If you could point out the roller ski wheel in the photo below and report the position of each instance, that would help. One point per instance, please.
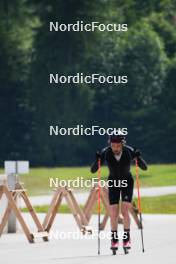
(114, 247)
(126, 247)
(114, 252)
(126, 250)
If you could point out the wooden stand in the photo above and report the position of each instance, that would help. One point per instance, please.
(82, 217)
(77, 212)
(134, 212)
(11, 198)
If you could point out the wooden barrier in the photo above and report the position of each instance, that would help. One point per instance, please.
(82, 216)
(11, 198)
(77, 212)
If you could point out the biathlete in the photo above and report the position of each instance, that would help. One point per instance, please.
(118, 157)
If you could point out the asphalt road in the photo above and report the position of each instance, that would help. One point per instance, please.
(159, 237)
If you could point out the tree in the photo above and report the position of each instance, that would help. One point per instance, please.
(15, 45)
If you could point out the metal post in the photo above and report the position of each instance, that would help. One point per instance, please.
(12, 223)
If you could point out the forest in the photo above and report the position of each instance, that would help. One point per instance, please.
(30, 52)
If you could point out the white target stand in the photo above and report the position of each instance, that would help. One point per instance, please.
(12, 170)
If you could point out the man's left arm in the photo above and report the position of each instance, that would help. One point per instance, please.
(136, 154)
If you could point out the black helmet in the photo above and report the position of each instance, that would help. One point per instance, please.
(117, 139)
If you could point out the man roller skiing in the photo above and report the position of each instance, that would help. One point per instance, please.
(118, 158)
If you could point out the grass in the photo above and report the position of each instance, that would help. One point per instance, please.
(37, 181)
(150, 205)
(165, 204)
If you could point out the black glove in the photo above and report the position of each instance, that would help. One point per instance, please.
(98, 155)
(142, 163)
(137, 153)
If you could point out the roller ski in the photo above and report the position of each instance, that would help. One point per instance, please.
(114, 247)
(126, 246)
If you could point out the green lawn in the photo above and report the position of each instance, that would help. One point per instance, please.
(150, 205)
(37, 181)
(159, 205)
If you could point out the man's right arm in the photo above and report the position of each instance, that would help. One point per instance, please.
(99, 155)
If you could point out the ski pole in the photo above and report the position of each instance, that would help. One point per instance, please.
(99, 205)
(139, 203)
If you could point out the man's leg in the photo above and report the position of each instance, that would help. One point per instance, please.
(127, 194)
(125, 213)
(126, 221)
(114, 196)
(114, 214)
(114, 211)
